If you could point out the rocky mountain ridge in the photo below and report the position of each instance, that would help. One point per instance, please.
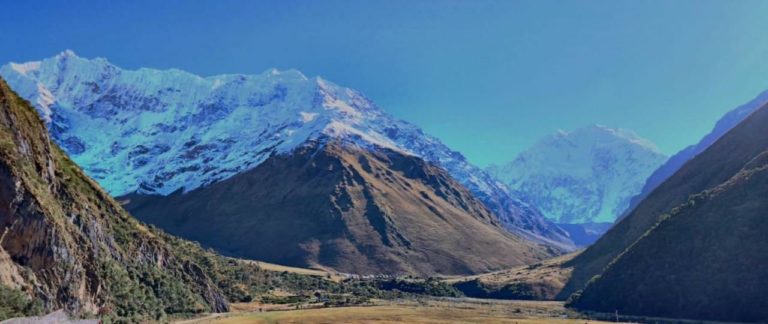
(158, 132)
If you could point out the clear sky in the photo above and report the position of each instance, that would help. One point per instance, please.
(487, 77)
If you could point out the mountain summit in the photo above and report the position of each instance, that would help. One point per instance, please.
(585, 176)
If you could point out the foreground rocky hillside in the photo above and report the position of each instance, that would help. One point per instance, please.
(696, 246)
(68, 244)
(337, 205)
(158, 132)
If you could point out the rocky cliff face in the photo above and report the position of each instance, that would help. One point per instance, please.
(67, 243)
(336, 205)
(158, 132)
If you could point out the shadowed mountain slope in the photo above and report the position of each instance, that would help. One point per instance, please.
(696, 246)
(709, 169)
(726, 123)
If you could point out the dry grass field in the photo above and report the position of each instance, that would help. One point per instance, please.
(427, 311)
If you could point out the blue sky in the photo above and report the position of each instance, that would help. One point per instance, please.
(487, 77)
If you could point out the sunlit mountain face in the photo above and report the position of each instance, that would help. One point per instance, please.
(157, 132)
(585, 176)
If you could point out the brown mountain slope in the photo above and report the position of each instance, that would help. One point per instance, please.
(340, 206)
(709, 169)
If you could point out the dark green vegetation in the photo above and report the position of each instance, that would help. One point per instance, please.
(477, 289)
(359, 291)
(339, 206)
(14, 303)
(430, 287)
(700, 247)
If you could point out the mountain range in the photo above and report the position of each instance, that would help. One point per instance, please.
(300, 171)
(169, 133)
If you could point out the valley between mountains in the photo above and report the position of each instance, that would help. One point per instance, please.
(159, 195)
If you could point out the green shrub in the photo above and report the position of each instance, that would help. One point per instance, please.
(14, 303)
(475, 288)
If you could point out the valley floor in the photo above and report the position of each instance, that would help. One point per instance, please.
(461, 310)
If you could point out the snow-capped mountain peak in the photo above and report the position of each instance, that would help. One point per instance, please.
(583, 176)
(161, 131)
(66, 53)
(605, 134)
